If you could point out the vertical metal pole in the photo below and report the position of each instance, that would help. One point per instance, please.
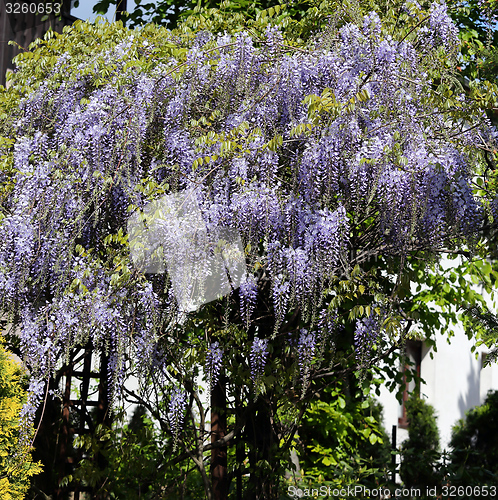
(393, 459)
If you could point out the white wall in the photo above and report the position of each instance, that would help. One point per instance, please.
(455, 382)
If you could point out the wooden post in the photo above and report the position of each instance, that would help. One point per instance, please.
(64, 458)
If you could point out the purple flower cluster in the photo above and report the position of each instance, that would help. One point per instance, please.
(306, 352)
(176, 412)
(281, 297)
(365, 336)
(327, 324)
(115, 375)
(442, 30)
(214, 359)
(258, 356)
(248, 292)
(36, 392)
(147, 318)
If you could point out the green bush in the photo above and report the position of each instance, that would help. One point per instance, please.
(420, 452)
(474, 443)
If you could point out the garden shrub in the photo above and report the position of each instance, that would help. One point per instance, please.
(420, 452)
(14, 475)
(474, 443)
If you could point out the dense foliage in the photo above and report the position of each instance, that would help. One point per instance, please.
(15, 474)
(169, 13)
(342, 442)
(342, 156)
(474, 441)
(477, 23)
(133, 453)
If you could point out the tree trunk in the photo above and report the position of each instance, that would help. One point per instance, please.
(120, 8)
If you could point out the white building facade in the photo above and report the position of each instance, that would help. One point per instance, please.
(455, 381)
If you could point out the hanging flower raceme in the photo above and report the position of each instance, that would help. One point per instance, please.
(248, 292)
(281, 296)
(365, 336)
(176, 412)
(306, 353)
(258, 356)
(214, 360)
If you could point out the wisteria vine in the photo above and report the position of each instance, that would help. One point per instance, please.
(295, 148)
